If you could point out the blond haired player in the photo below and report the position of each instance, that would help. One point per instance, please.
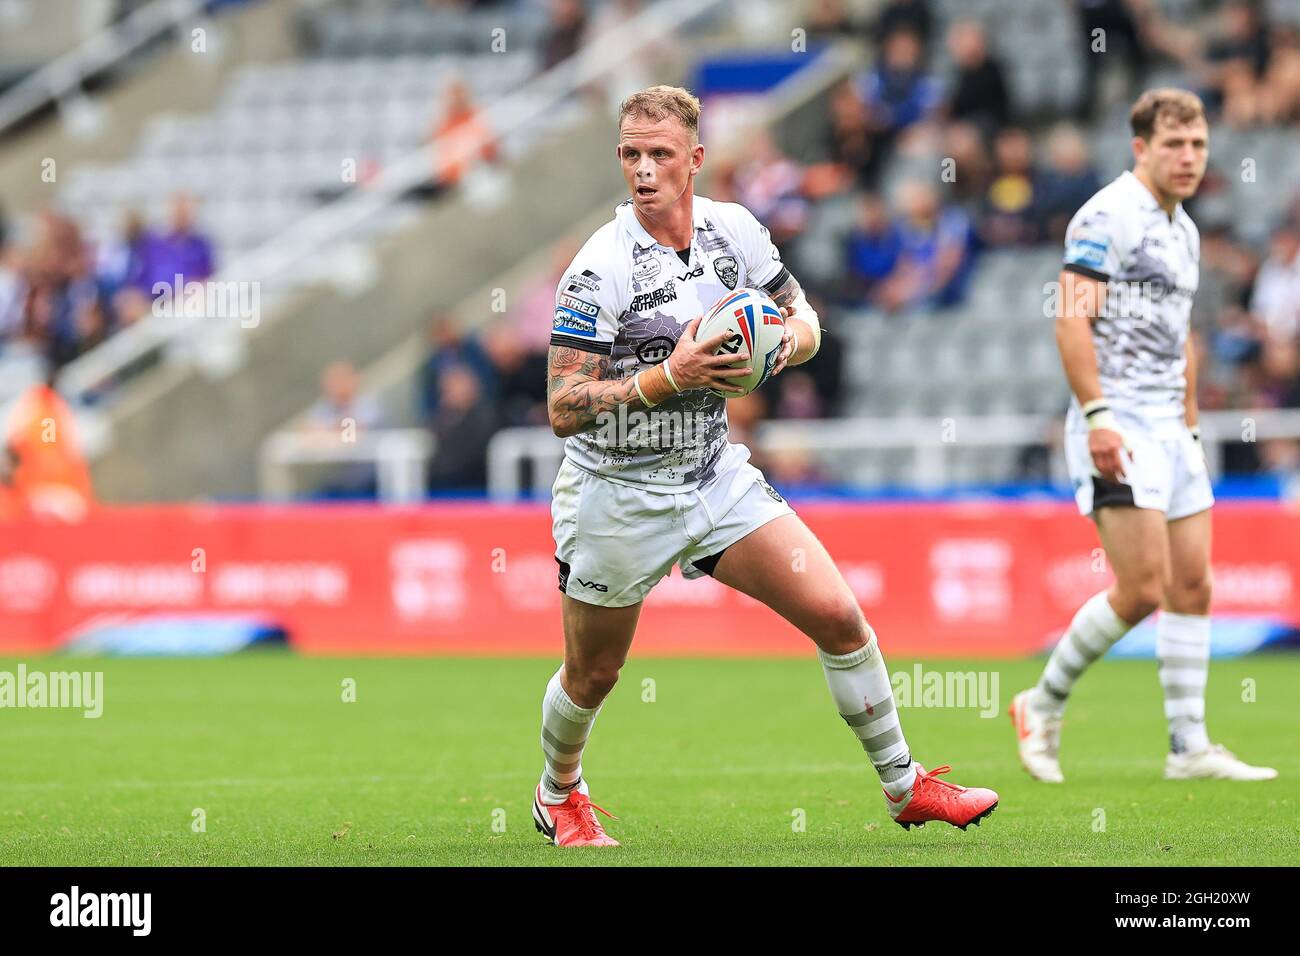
(1132, 443)
(627, 507)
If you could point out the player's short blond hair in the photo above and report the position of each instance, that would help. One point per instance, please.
(1167, 104)
(660, 102)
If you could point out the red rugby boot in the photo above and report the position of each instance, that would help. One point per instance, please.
(573, 822)
(933, 799)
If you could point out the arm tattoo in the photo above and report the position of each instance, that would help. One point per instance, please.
(578, 394)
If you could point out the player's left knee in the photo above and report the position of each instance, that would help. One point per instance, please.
(1189, 593)
(842, 629)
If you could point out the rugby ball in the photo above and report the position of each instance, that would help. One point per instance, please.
(754, 325)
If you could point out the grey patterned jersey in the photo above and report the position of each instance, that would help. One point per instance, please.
(629, 297)
(1150, 262)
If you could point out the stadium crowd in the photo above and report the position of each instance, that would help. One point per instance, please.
(915, 243)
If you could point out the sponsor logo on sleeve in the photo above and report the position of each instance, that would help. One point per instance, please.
(574, 304)
(1087, 248)
(568, 322)
(584, 281)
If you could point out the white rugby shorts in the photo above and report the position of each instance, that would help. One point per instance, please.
(1166, 471)
(615, 542)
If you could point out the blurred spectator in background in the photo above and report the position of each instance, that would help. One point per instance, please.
(1276, 298)
(937, 253)
(898, 91)
(13, 290)
(462, 427)
(341, 414)
(1067, 182)
(180, 251)
(1235, 60)
(964, 145)
(912, 16)
(123, 258)
(1009, 215)
(1119, 42)
(519, 377)
(461, 138)
(771, 186)
(849, 140)
(980, 92)
(874, 245)
(452, 347)
(564, 31)
(47, 470)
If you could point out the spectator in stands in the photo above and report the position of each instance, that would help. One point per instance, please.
(964, 145)
(1010, 214)
(461, 137)
(1109, 33)
(1277, 378)
(342, 414)
(898, 92)
(1236, 59)
(938, 246)
(1067, 183)
(122, 260)
(565, 28)
(49, 473)
(912, 16)
(519, 375)
(462, 428)
(1276, 296)
(61, 285)
(452, 347)
(13, 290)
(874, 246)
(980, 92)
(849, 141)
(771, 186)
(180, 251)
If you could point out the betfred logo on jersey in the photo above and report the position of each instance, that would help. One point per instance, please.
(577, 305)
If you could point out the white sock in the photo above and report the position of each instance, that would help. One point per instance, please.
(565, 728)
(1094, 629)
(859, 684)
(1183, 649)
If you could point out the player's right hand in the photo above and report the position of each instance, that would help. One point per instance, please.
(694, 365)
(1107, 449)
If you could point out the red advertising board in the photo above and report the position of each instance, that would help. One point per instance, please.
(934, 579)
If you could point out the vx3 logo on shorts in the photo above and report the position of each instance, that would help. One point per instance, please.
(592, 584)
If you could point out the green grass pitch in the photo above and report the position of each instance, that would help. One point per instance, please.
(435, 762)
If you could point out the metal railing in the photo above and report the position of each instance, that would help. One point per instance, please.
(398, 454)
(65, 74)
(306, 237)
(929, 439)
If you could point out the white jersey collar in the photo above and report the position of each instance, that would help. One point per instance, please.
(625, 214)
(1145, 197)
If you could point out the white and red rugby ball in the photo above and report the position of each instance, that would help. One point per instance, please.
(754, 325)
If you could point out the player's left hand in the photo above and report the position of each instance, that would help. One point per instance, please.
(787, 344)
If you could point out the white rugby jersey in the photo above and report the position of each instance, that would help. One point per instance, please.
(1151, 264)
(627, 296)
